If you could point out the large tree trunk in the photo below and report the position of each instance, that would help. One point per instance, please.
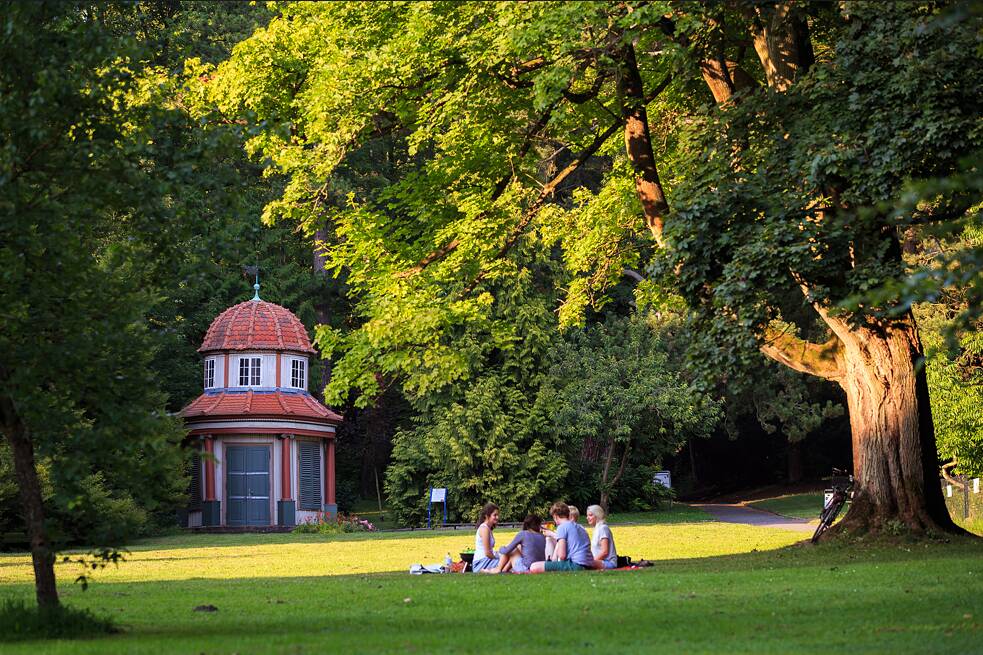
(895, 461)
(879, 365)
(30, 493)
(781, 39)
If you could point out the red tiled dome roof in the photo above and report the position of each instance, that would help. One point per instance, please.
(257, 325)
(259, 404)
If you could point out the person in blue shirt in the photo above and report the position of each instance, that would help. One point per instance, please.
(572, 544)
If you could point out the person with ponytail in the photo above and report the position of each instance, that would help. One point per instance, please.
(486, 560)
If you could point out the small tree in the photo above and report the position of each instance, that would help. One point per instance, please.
(76, 388)
(616, 396)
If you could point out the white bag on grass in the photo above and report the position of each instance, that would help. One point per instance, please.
(420, 569)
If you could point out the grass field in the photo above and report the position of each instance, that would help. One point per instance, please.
(716, 588)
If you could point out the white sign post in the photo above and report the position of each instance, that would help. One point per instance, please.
(664, 478)
(437, 495)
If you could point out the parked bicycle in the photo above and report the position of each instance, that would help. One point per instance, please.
(842, 485)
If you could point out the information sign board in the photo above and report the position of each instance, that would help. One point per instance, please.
(663, 478)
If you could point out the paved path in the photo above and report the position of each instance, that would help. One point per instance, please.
(749, 516)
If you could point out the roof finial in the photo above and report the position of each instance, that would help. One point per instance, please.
(256, 286)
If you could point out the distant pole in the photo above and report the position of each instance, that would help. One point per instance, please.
(378, 493)
(965, 496)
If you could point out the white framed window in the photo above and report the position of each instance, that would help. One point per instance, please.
(298, 374)
(249, 371)
(209, 373)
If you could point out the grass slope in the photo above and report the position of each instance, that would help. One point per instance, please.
(718, 588)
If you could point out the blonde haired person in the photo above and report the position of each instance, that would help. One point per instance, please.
(602, 541)
(574, 513)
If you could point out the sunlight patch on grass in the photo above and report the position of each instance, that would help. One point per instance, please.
(273, 556)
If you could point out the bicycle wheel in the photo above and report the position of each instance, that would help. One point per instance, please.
(826, 519)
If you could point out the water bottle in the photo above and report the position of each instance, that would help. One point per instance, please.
(448, 562)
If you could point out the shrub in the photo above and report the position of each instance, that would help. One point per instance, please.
(322, 523)
(21, 622)
(100, 516)
(486, 447)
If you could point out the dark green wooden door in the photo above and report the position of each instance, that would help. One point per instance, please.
(248, 484)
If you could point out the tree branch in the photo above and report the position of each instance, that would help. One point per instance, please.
(822, 360)
(499, 189)
(638, 145)
(545, 193)
(621, 467)
(948, 478)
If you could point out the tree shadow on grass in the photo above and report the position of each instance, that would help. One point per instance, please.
(781, 601)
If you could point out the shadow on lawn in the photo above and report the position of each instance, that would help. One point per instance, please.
(799, 555)
(329, 608)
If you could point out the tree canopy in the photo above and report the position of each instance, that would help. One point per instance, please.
(765, 186)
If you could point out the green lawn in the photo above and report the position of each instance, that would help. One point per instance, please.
(716, 588)
(805, 506)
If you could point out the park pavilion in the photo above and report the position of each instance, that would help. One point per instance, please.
(265, 447)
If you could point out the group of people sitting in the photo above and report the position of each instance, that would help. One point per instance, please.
(535, 550)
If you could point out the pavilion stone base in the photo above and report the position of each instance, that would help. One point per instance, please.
(331, 510)
(211, 512)
(286, 513)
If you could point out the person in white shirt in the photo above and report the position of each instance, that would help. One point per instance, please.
(601, 541)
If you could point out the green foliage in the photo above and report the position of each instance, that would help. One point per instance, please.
(419, 137)
(780, 399)
(955, 381)
(323, 524)
(424, 87)
(483, 448)
(798, 189)
(9, 495)
(21, 622)
(102, 517)
(618, 404)
(76, 350)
